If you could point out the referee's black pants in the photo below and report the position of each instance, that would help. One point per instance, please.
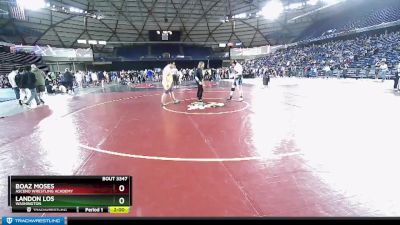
(199, 91)
(396, 81)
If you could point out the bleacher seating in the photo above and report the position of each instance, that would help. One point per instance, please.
(9, 60)
(360, 54)
(197, 52)
(369, 14)
(132, 53)
(157, 51)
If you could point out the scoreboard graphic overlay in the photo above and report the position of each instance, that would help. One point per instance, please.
(70, 194)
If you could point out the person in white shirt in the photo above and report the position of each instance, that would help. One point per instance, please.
(384, 69)
(79, 78)
(94, 78)
(238, 80)
(327, 71)
(11, 79)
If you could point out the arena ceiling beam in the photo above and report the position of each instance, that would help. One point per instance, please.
(121, 13)
(51, 27)
(208, 26)
(202, 17)
(257, 30)
(177, 14)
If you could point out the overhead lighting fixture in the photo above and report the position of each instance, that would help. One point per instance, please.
(292, 6)
(332, 2)
(31, 4)
(222, 45)
(102, 43)
(272, 10)
(92, 42)
(82, 42)
(312, 2)
(240, 16)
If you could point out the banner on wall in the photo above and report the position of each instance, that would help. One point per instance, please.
(245, 53)
(55, 54)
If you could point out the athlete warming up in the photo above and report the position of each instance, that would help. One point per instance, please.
(238, 80)
(167, 82)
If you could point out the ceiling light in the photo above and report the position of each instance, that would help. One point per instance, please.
(272, 10)
(31, 4)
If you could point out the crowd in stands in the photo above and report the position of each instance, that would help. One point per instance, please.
(352, 18)
(4, 83)
(363, 56)
(10, 60)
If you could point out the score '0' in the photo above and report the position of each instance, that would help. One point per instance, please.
(121, 188)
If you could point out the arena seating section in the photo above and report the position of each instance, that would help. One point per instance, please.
(369, 14)
(156, 51)
(359, 53)
(9, 60)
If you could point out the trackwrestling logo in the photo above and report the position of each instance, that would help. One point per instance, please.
(33, 220)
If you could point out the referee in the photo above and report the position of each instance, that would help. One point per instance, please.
(199, 80)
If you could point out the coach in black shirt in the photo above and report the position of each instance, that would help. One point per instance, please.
(199, 80)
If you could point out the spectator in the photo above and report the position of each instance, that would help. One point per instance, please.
(14, 86)
(29, 81)
(68, 81)
(40, 83)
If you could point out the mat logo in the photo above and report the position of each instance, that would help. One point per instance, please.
(9, 220)
(204, 105)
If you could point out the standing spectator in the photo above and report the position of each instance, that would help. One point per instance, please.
(94, 78)
(79, 78)
(69, 81)
(29, 80)
(396, 78)
(87, 79)
(14, 86)
(101, 78)
(107, 76)
(384, 69)
(19, 79)
(266, 78)
(40, 83)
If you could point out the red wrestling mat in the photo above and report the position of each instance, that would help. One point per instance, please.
(259, 157)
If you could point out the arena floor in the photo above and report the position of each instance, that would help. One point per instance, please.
(302, 147)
